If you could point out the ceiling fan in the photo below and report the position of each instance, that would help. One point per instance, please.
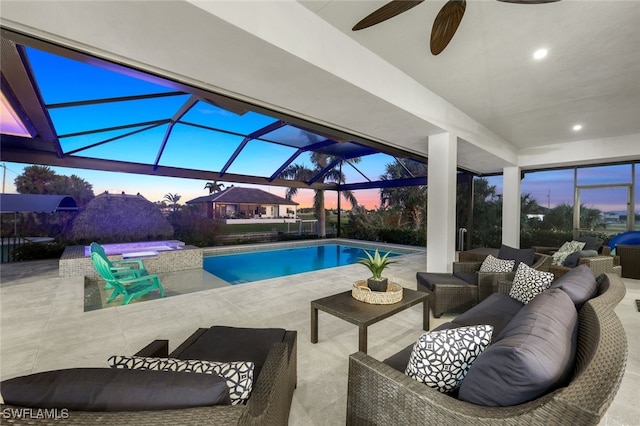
(445, 24)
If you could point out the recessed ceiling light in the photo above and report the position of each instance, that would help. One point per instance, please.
(540, 53)
(577, 127)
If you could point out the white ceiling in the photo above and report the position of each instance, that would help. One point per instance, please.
(382, 83)
(591, 75)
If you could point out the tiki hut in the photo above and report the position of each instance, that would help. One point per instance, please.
(120, 218)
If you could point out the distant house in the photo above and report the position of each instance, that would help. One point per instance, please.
(237, 202)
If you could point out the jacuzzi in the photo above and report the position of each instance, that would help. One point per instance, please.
(158, 257)
(138, 249)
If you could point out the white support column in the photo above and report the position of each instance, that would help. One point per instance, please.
(511, 206)
(441, 202)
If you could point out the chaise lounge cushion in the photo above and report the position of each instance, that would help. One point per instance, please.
(106, 389)
(238, 375)
(228, 344)
(533, 355)
(579, 283)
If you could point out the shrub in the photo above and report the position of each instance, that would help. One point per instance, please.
(37, 251)
(405, 236)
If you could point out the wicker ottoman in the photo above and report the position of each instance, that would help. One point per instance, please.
(448, 292)
(630, 260)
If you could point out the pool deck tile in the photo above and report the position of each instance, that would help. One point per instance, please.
(41, 314)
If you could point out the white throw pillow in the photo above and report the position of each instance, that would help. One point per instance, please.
(493, 264)
(528, 283)
(441, 359)
(238, 375)
(565, 250)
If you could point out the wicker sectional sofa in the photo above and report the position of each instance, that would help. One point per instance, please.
(269, 402)
(379, 394)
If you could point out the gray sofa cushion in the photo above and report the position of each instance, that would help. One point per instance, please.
(228, 344)
(572, 260)
(430, 279)
(496, 310)
(591, 243)
(579, 283)
(526, 256)
(107, 389)
(533, 355)
(468, 277)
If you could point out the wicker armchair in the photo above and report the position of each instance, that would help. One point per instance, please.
(269, 403)
(381, 395)
(603, 263)
(467, 286)
(598, 265)
(488, 281)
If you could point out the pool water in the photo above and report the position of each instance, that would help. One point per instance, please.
(261, 265)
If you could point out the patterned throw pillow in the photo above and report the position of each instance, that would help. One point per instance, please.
(528, 283)
(493, 264)
(238, 375)
(441, 359)
(567, 248)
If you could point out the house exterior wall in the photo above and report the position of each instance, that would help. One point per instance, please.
(287, 211)
(253, 211)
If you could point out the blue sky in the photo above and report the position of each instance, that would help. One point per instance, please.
(64, 80)
(554, 187)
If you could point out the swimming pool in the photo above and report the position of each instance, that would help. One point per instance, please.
(261, 265)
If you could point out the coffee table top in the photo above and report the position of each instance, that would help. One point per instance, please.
(344, 306)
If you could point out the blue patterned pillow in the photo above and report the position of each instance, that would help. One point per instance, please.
(238, 375)
(441, 359)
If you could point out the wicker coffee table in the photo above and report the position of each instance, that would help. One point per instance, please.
(344, 306)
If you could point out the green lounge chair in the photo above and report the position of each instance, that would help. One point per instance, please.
(130, 268)
(129, 288)
(135, 265)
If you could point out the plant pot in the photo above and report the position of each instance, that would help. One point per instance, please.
(377, 285)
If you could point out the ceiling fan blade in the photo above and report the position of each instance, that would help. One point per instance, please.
(528, 1)
(389, 10)
(446, 24)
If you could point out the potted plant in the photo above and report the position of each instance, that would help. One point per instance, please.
(376, 264)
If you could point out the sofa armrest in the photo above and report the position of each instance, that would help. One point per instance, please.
(379, 394)
(157, 349)
(504, 287)
(545, 249)
(488, 282)
(542, 262)
(270, 399)
(462, 267)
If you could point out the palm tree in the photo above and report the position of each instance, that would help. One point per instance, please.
(173, 199)
(303, 173)
(410, 200)
(214, 186)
